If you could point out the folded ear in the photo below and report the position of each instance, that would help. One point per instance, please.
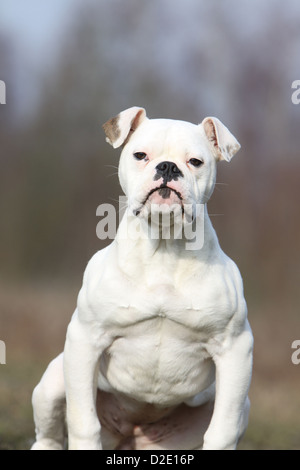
(224, 143)
(119, 128)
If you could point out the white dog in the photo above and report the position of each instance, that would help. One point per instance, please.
(158, 353)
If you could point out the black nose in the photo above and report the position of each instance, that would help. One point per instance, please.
(168, 171)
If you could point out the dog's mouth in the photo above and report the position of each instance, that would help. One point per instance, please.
(165, 193)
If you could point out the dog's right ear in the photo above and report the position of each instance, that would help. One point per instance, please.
(119, 128)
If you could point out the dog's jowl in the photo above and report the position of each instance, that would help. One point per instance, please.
(158, 353)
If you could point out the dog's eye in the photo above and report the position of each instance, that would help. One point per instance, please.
(140, 155)
(195, 162)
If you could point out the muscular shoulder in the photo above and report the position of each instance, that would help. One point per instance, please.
(91, 278)
(96, 264)
(232, 293)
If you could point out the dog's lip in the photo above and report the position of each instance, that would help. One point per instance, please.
(138, 211)
(162, 186)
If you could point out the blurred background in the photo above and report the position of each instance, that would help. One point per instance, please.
(69, 66)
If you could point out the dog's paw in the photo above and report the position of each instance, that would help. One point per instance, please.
(47, 444)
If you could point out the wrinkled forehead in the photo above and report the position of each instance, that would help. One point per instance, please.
(165, 136)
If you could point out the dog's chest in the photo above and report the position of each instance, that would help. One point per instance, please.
(160, 326)
(148, 360)
(203, 306)
(159, 338)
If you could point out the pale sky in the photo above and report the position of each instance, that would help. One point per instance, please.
(35, 24)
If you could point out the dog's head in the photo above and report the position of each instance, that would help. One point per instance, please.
(168, 164)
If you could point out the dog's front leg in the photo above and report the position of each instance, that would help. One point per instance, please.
(233, 375)
(84, 345)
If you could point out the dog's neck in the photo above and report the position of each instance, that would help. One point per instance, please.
(137, 249)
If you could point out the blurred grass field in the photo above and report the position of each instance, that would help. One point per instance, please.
(34, 318)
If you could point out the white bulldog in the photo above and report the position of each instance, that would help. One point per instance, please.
(158, 353)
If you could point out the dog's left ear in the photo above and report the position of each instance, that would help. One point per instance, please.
(119, 128)
(223, 142)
